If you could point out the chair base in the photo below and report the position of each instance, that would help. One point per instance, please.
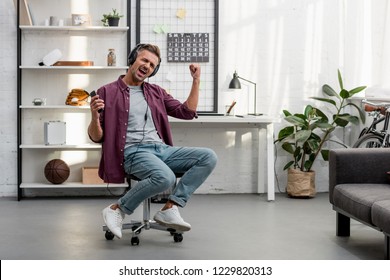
(145, 224)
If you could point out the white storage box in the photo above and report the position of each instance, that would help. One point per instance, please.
(55, 133)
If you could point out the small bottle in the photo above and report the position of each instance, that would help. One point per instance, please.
(111, 57)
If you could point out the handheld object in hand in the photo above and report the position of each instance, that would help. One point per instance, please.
(92, 94)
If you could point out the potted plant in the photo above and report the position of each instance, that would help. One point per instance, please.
(112, 18)
(308, 133)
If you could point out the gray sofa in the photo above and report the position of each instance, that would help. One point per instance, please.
(359, 188)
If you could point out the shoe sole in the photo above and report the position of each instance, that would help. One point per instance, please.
(173, 226)
(105, 222)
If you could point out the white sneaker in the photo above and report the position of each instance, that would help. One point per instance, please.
(171, 218)
(114, 220)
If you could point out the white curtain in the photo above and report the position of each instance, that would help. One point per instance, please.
(376, 68)
(385, 61)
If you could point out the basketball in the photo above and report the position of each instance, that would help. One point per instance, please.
(57, 171)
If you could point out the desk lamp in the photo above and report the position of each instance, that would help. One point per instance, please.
(235, 84)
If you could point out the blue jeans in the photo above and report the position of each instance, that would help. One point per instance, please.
(156, 164)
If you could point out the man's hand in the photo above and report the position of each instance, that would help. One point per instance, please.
(193, 98)
(96, 105)
(95, 131)
(195, 71)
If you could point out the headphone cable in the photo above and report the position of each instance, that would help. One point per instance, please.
(136, 151)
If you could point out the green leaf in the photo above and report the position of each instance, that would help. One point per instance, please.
(287, 131)
(325, 100)
(329, 91)
(287, 166)
(323, 125)
(312, 146)
(315, 137)
(288, 147)
(325, 154)
(323, 117)
(343, 119)
(344, 94)
(362, 114)
(308, 165)
(340, 79)
(340, 121)
(297, 153)
(302, 136)
(356, 90)
(298, 120)
(308, 111)
(286, 113)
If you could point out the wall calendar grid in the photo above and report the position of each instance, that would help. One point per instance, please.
(188, 47)
(169, 25)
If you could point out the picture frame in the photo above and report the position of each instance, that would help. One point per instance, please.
(81, 19)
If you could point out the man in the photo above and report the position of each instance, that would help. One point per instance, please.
(136, 139)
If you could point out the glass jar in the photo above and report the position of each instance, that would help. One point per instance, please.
(111, 57)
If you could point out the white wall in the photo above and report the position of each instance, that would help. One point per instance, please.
(289, 48)
(8, 102)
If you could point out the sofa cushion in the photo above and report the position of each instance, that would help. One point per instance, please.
(381, 215)
(357, 199)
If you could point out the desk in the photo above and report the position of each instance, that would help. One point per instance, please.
(264, 124)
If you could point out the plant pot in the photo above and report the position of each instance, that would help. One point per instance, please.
(301, 184)
(113, 21)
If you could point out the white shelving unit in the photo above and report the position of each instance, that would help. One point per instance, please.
(53, 83)
(73, 28)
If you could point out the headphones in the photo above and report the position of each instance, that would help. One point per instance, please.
(133, 56)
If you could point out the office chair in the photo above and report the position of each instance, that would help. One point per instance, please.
(146, 223)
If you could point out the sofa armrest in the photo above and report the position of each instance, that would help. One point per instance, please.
(356, 166)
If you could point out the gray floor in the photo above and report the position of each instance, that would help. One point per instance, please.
(225, 227)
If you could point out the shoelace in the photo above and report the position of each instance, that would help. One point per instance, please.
(176, 212)
(118, 217)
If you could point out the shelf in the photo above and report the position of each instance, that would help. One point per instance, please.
(74, 28)
(66, 185)
(74, 67)
(64, 107)
(86, 146)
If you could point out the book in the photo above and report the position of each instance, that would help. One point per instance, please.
(24, 15)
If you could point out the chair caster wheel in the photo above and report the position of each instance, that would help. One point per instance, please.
(178, 237)
(109, 235)
(135, 240)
